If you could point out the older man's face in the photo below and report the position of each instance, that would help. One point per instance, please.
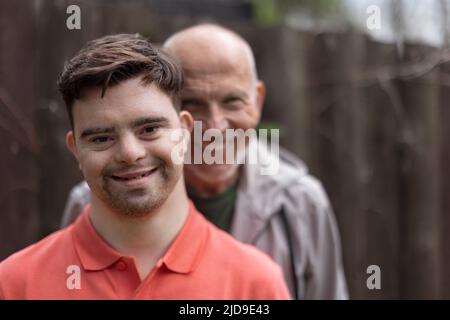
(223, 95)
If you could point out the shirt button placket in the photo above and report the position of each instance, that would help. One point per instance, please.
(121, 266)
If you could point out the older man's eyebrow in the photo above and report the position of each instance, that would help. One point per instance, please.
(92, 131)
(150, 120)
(195, 101)
(236, 94)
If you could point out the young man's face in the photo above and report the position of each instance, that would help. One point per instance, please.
(123, 145)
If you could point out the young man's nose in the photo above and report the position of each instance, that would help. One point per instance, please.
(130, 149)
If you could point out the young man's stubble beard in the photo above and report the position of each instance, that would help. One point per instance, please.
(141, 201)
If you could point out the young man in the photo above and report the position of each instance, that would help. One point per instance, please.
(287, 215)
(140, 237)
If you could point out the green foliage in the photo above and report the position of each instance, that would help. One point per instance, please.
(269, 12)
(266, 12)
(269, 125)
(317, 8)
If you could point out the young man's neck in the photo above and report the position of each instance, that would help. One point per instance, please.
(146, 238)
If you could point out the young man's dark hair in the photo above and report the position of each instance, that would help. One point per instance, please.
(112, 59)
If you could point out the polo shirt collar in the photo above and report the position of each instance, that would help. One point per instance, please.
(183, 254)
(186, 251)
(95, 254)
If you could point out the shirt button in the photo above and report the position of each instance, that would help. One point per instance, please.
(121, 266)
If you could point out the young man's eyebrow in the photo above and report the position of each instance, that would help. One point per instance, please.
(91, 131)
(134, 124)
(149, 120)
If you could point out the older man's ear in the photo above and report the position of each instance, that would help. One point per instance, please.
(260, 94)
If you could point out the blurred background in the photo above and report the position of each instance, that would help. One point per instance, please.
(361, 101)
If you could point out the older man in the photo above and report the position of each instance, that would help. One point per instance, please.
(286, 214)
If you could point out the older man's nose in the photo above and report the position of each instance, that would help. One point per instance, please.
(130, 150)
(216, 119)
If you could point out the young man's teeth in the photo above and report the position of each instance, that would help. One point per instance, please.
(136, 177)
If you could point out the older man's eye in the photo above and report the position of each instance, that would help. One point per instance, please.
(233, 102)
(190, 103)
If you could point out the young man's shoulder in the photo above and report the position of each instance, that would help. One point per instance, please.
(245, 267)
(240, 252)
(34, 261)
(39, 250)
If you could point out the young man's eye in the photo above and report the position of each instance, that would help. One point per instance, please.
(232, 99)
(100, 140)
(150, 130)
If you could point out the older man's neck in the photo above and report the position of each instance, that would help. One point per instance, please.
(209, 188)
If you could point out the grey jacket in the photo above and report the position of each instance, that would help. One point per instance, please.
(287, 215)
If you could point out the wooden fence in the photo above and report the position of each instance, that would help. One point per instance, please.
(369, 119)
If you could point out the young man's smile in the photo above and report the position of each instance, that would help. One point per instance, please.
(134, 179)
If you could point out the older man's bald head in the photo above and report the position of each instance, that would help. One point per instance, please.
(211, 48)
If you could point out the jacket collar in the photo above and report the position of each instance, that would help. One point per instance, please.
(260, 196)
(259, 190)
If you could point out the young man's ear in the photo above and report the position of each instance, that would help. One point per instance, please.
(181, 136)
(70, 144)
(187, 124)
(186, 120)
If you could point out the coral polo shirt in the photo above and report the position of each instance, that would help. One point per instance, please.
(201, 263)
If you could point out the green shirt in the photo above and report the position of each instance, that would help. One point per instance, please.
(218, 209)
